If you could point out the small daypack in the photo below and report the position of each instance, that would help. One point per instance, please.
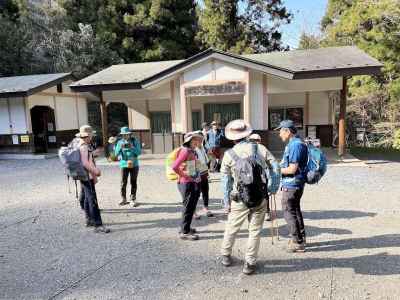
(316, 164)
(169, 161)
(70, 157)
(251, 178)
(274, 177)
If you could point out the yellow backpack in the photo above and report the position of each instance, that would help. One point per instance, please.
(169, 161)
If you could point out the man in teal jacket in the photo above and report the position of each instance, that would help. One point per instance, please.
(128, 150)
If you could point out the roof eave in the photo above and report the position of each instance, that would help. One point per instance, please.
(370, 70)
(105, 87)
(13, 94)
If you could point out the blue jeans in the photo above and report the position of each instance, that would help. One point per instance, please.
(90, 205)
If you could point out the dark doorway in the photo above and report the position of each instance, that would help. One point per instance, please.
(43, 128)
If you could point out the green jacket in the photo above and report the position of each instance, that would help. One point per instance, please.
(128, 150)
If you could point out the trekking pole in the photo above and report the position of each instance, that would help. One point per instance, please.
(272, 220)
(276, 217)
(76, 191)
(68, 184)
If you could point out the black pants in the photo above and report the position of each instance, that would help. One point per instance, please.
(133, 174)
(90, 204)
(82, 197)
(190, 193)
(292, 213)
(204, 189)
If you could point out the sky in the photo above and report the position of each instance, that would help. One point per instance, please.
(307, 15)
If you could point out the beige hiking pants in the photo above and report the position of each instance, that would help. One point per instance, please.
(239, 213)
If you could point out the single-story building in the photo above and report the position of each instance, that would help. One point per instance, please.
(39, 112)
(168, 98)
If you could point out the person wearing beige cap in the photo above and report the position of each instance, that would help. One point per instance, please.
(91, 207)
(244, 205)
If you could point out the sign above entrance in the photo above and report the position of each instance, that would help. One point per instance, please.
(210, 89)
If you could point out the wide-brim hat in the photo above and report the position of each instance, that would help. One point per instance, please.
(125, 130)
(190, 135)
(237, 130)
(112, 140)
(85, 131)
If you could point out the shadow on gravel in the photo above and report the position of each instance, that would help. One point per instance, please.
(378, 241)
(336, 214)
(375, 264)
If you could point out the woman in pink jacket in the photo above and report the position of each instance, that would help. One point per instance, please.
(188, 182)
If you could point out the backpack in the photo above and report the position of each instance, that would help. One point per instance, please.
(169, 161)
(70, 157)
(273, 173)
(316, 164)
(251, 178)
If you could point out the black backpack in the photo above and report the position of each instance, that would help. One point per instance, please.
(251, 178)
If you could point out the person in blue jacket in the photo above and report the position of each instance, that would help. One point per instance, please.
(128, 150)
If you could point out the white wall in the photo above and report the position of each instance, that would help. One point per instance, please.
(287, 99)
(4, 117)
(319, 109)
(201, 72)
(66, 113)
(41, 100)
(277, 85)
(82, 111)
(13, 108)
(226, 71)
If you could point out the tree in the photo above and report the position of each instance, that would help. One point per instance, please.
(250, 26)
(309, 41)
(140, 30)
(373, 26)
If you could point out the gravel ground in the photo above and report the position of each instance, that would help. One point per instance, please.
(352, 221)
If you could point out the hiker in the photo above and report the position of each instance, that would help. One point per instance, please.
(248, 200)
(204, 186)
(127, 150)
(112, 141)
(188, 182)
(294, 175)
(214, 139)
(91, 207)
(204, 130)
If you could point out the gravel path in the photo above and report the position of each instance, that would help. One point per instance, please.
(352, 221)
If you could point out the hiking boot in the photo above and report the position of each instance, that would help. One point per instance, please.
(226, 260)
(188, 236)
(101, 229)
(294, 247)
(124, 201)
(249, 269)
(89, 223)
(135, 204)
(268, 216)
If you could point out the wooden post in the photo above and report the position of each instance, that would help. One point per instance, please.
(307, 113)
(342, 119)
(246, 97)
(104, 120)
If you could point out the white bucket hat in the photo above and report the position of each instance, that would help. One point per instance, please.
(193, 134)
(237, 130)
(254, 137)
(85, 131)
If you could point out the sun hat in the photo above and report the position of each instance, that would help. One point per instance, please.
(254, 137)
(190, 135)
(237, 129)
(125, 130)
(288, 124)
(112, 140)
(85, 131)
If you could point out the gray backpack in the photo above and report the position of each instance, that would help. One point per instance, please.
(251, 178)
(70, 157)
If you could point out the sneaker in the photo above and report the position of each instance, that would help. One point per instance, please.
(135, 203)
(268, 216)
(196, 216)
(294, 247)
(249, 269)
(192, 231)
(101, 229)
(226, 260)
(208, 213)
(89, 224)
(188, 236)
(123, 202)
(133, 198)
